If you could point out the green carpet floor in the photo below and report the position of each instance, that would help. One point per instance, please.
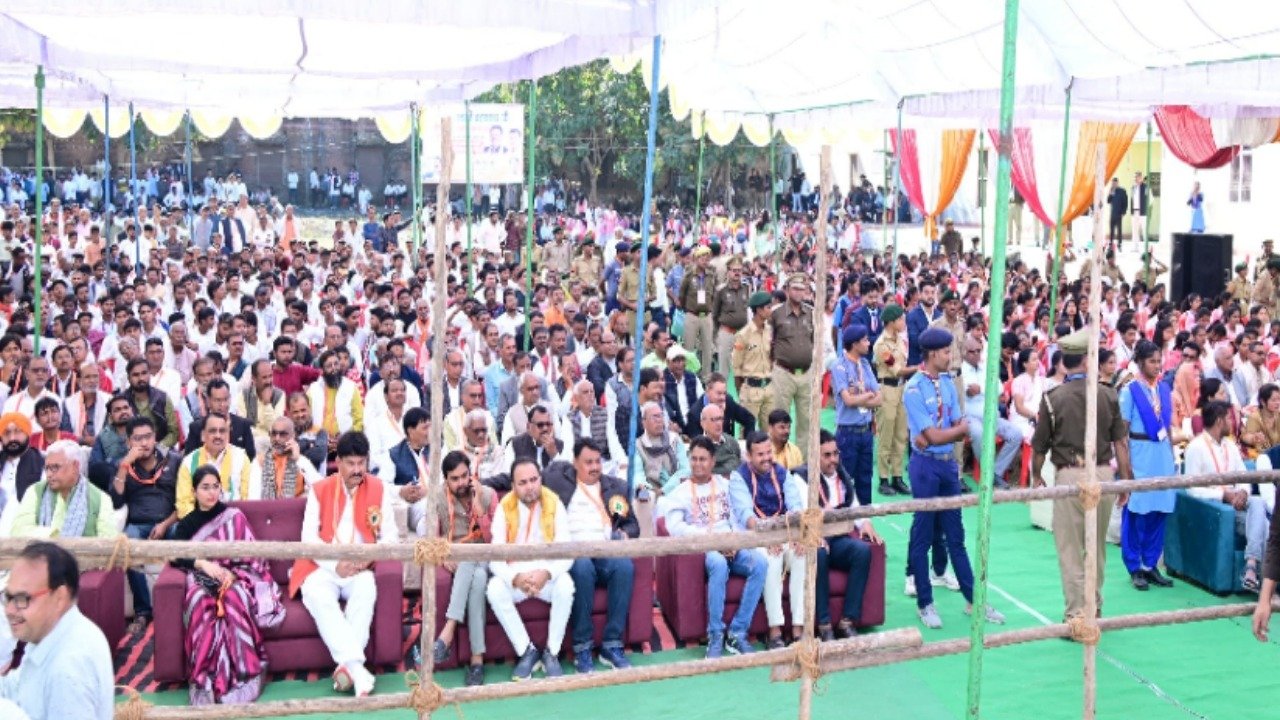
(1204, 670)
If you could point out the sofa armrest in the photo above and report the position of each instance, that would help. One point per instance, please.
(386, 635)
(1200, 542)
(640, 614)
(168, 596)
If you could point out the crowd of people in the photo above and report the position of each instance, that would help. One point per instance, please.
(174, 369)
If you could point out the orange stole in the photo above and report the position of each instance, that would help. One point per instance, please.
(367, 495)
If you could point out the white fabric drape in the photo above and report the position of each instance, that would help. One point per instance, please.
(1247, 132)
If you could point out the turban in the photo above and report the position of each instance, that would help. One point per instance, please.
(15, 418)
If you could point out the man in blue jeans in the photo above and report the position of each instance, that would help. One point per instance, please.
(597, 510)
(857, 395)
(145, 481)
(698, 506)
(935, 423)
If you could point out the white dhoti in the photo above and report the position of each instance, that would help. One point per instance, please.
(344, 631)
(503, 599)
(787, 561)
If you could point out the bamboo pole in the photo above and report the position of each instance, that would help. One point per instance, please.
(809, 665)
(991, 384)
(415, 165)
(530, 211)
(1062, 192)
(897, 180)
(1091, 443)
(697, 193)
(39, 222)
(773, 196)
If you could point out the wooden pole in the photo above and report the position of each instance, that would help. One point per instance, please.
(1060, 227)
(815, 422)
(1091, 442)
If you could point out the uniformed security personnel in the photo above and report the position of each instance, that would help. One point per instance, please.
(1239, 288)
(1264, 290)
(587, 266)
(935, 421)
(629, 289)
(857, 396)
(1059, 437)
(792, 352)
(952, 320)
(889, 359)
(751, 364)
(729, 312)
(695, 299)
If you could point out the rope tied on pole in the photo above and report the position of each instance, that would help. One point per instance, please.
(135, 708)
(1084, 630)
(809, 659)
(120, 550)
(433, 551)
(1090, 494)
(425, 699)
(811, 527)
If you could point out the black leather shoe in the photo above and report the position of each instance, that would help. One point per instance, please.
(886, 489)
(846, 629)
(1154, 576)
(1139, 580)
(825, 633)
(528, 662)
(901, 487)
(475, 675)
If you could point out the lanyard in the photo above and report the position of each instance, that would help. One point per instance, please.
(773, 476)
(528, 525)
(937, 389)
(1213, 454)
(604, 516)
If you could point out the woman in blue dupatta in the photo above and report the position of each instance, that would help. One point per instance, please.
(1146, 405)
(226, 603)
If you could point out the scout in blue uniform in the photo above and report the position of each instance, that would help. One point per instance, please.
(857, 396)
(935, 423)
(1146, 406)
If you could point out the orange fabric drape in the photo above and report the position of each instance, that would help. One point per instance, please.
(1277, 136)
(956, 146)
(1118, 137)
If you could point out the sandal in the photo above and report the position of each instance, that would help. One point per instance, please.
(1250, 580)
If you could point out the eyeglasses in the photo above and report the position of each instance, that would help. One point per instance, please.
(21, 601)
(542, 425)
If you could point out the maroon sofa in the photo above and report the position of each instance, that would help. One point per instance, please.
(682, 592)
(296, 643)
(101, 599)
(537, 615)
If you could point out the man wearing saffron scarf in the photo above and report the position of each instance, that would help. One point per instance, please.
(348, 508)
(1146, 405)
(531, 514)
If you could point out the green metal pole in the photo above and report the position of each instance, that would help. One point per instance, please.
(773, 191)
(530, 214)
(1146, 231)
(39, 223)
(991, 387)
(897, 179)
(884, 210)
(468, 264)
(982, 190)
(415, 163)
(697, 202)
(1062, 194)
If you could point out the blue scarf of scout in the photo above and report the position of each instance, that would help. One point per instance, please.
(1150, 423)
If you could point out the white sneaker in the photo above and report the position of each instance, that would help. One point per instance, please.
(946, 580)
(994, 616)
(910, 588)
(929, 616)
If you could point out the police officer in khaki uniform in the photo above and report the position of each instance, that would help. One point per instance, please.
(587, 266)
(729, 312)
(751, 365)
(1239, 288)
(889, 359)
(696, 290)
(1059, 436)
(1264, 290)
(792, 354)
(629, 289)
(952, 320)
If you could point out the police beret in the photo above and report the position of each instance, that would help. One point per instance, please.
(1240, 267)
(891, 312)
(853, 334)
(735, 260)
(934, 339)
(759, 300)
(622, 247)
(1077, 343)
(1273, 263)
(798, 279)
(949, 295)
(714, 247)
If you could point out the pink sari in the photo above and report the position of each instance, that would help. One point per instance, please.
(223, 642)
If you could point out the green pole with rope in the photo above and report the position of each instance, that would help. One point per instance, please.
(470, 266)
(415, 162)
(39, 186)
(1146, 231)
(530, 214)
(991, 386)
(697, 202)
(1059, 238)
(773, 193)
(897, 179)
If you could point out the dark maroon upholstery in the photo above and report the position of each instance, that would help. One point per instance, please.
(682, 592)
(295, 644)
(101, 599)
(537, 614)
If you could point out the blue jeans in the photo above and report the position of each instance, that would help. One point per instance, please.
(1009, 450)
(857, 448)
(749, 564)
(616, 575)
(138, 579)
(853, 556)
(932, 477)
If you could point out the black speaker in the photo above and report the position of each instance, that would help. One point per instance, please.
(1201, 265)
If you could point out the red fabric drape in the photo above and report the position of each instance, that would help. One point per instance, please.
(909, 167)
(1190, 137)
(1022, 160)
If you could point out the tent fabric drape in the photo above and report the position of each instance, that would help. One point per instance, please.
(1118, 137)
(119, 121)
(63, 123)
(932, 174)
(1190, 138)
(1247, 132)
(261, 128)
(956, 145)
(908, 166)
(211, 125)
(162, 122)
(1023, 161)
(395, 129)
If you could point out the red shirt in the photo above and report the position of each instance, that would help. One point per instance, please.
(293, 378)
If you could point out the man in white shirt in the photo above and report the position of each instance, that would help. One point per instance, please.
(66, 671)
(1251, 366)
(531, 514)
(972, 378)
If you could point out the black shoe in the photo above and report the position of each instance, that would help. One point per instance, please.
(1139, 580)
(527, 663)
(1000, 484)
(826, 634)
(440, 651)
(886, 489)
(775, 643)
(475, 675)
(551, 664)
(901, 487)
(1154, 576)
(846, 629)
